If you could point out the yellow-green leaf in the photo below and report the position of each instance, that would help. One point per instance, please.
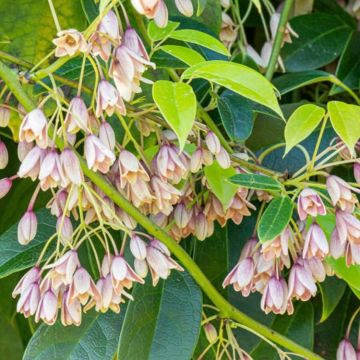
(238, 78)
(302, 122)
(200, 38)
(185, 54)
(345, 119)
(177, 103)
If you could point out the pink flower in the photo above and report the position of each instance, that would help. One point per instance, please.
(98, 156)
(27, 227)
(159, 261)
(5, 186)
(279, 247)
(34, 128)
(47, 308)
(107, 135)
(77, 117)
(23, 149)
(30, 166)
(182, 215)
(212, 143)
(71, 169)
(345, 351)
(130, 169)
(340, 248)
(31, 276)
(137, 247)
(82, 287)
(242, 276)
(199, 158)
(65, 230)
(340, 193)
(4, 116)
(123, 275)
(69, 42)
(185, 7)
(316, 244)
(141, 268)
(4, 155)
(29, 300)
(223, 158)
(210, 333)
(357, 172)
(275, 296)
(301, 283)
(152, 9)
(108, 100)
(70, 310)
(348, 227)
(310, 203)
(51, 173)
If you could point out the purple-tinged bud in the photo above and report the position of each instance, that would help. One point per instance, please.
(65, 229)
(316, 244)
(201, 226)
(223, 158)
(182, 215)
(5, 186)
(310, 203)
(137, 247)
(357, 172)
(161, 16)
(4, 155)
(107, 135)
(345, 351)
(4, 116)
(141, 268)
(27, 227)
(47, 309)
(185, 7)
(196, 160)
(77, 117)
(275, 296)
(210, 333)
(213, 143)
(23, 149)
(71, 167)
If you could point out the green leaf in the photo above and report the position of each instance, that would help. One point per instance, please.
(238, 78)
(200, 38)
(236, 115)
(27, 27)
(185, 54)
(298, 327)
(302, 122)
(332, 290)
(291, 81)
(348, 69)
(90, 9)
(275, 218)
(321, 40)
(156, 33)
(256, 181)
(15, 257)
(177, 103)
(163, 322)
(216, 177)
(345, 119)
(94, 339)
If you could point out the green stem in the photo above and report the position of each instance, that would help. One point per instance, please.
(278, 39)
(226, 309)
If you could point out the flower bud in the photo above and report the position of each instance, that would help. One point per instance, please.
(357, 172)
(23, 149)
(65, 229)
(5, 186)
(4, 116)
(27, 227)
(185, 7)
(4, 155)
(345, 351)
(223, 158)
(201, 226)
(213, 143)
(71, 167)
(138, 247)
(210, 333)
(141, 268)
(107, 135)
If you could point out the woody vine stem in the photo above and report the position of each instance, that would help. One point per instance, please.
(227, 311)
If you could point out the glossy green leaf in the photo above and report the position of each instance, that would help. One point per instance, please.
(238, 78)
(156, 33)
(177, 103)
(298, 327)
(291, 81)
(332, 290)
(302, 122)
(185, 54)
(216, 177)
(27, 27)
(345, 119)
(95, 339)
(275, 218)
(15, 257)
(90, 9)
(162, 322)
(200, 38)
(348, 69)
(236, 115)
(321, 40)
(256, 181)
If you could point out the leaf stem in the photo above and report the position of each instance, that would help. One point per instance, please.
(278, 39)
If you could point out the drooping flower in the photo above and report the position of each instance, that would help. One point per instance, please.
(69, 42)
(185, 7)
(71, 167)
(152, 9)
(98, 156)
(199, 158)
(77, 117)
(212, 143)
(310, 203)
(47, 308)
(34, 128)
(316, 244)
(131, 169)
(345, 351)
(70, 310)
(51, 173)
(108, 100)
(348, 227)
(5, 186)
(275, 297)
(137, 247)
(30, 166)
(228, 31)
(27, 227)
(288, 31)
(4, 116)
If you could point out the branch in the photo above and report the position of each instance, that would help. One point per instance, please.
(226, 309)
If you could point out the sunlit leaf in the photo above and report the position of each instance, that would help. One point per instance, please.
(256, 181)
(185, 54)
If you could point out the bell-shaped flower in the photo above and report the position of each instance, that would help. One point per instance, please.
(34, 128)
(27, 227)
(69, 42)
(346, 351)
(51, 172)
(71, 169)
(30, 166)
(310, 203)
(137, 247)
(275, 296)
(77, 117)
(48, 308)
(130, 169)
(108, 100)
(316, 244)
(185, 7)
(70, 310)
